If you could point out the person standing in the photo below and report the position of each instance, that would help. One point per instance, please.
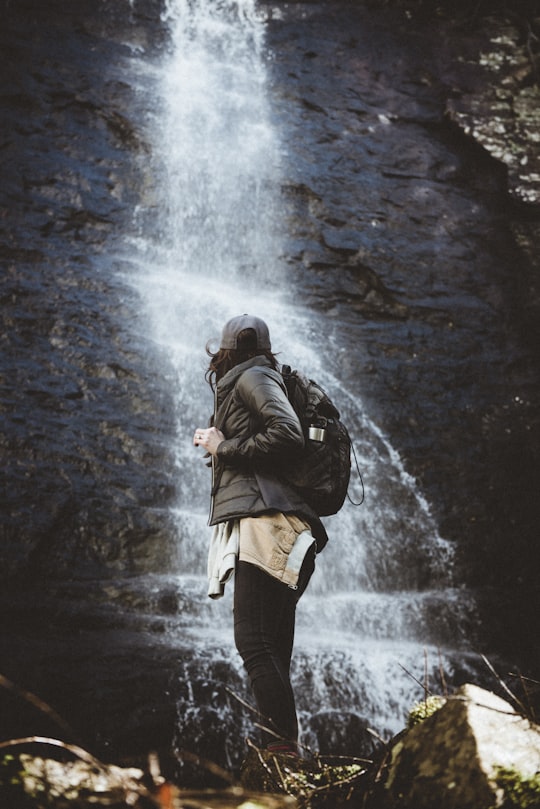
(262, 529)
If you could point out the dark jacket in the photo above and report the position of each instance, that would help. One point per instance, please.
(262, 433)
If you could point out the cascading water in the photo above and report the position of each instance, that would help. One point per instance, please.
(382, 600)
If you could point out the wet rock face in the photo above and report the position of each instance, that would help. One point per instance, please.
(501, 113)
(403, 228)
(85, 464)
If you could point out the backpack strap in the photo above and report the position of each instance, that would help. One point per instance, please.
(289, 378)
(363, 495)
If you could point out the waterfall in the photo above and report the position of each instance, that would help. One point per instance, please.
(383, 600)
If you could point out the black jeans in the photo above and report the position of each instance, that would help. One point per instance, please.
(264, 618)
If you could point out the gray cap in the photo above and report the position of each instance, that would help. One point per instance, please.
(233, 327)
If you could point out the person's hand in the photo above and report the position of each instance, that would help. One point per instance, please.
(209, 439)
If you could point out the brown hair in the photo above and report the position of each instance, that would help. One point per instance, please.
(224, 359)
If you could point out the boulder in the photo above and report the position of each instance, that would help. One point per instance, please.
(463, 755)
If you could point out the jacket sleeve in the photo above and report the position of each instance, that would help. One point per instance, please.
(279, 431)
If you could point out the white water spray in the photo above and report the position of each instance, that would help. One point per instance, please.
(383, 588)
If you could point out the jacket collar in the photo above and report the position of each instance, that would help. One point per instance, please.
(227, 383)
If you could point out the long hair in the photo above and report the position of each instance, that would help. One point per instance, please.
(224, 359)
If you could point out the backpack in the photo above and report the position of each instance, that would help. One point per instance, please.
(322, 471)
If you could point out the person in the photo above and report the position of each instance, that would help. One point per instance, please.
(262, 527)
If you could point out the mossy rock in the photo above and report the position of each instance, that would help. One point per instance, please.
(421, 710)
(520, 792)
